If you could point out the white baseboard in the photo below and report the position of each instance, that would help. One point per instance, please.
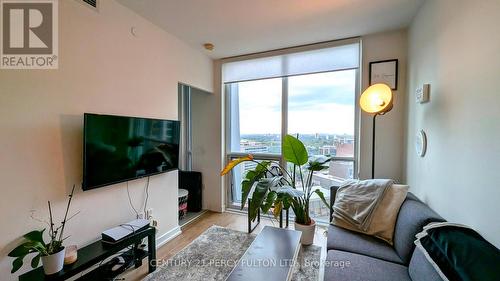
(163, 239)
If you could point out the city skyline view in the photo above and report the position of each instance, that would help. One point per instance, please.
(320, 103)
(320, 110)
(316, 144)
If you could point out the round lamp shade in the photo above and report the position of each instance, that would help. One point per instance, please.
(376, 99)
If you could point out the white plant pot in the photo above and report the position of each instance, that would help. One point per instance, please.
(308, 231)
(53, 263)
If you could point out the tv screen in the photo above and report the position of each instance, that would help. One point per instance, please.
(118, 148)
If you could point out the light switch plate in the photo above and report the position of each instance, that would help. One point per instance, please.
(422, 93)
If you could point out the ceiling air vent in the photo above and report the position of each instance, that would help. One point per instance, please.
(90, 3)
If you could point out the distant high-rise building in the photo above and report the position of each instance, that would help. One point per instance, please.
(345, 150)
(252, 148)
(344, 169)
(327, 150)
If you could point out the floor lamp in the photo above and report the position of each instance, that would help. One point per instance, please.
(376, 100)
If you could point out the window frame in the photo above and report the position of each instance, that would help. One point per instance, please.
(226, 93)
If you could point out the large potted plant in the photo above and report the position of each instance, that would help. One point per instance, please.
(51, 253)
(276, 188)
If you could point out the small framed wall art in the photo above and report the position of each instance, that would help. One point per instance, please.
(384, 71)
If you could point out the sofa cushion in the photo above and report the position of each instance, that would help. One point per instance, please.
(413, 216)
(412, 196)
(420, 269)
(350, 241)
(345, 266)
(459, 252)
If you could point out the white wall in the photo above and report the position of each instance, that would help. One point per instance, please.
(102, 69)
(454, 45)
(389, 146)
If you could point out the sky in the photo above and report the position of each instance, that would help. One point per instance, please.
(317, 103)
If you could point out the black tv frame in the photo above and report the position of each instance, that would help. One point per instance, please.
(87, 188)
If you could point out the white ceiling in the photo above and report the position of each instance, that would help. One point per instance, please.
(239, 27)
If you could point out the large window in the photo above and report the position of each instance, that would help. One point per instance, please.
(256, 116)
(317, 106)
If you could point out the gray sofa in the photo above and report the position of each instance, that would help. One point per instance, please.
(352, 256)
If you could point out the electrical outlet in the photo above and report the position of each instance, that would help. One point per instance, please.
(155, 223)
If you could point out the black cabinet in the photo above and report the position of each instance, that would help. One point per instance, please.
(192, 182)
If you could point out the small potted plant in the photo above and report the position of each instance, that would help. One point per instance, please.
(52, 253)
(277, 188)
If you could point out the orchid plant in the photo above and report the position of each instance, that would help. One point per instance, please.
(34, 243)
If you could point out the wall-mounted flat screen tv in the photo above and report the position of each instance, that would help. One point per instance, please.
(119, 148)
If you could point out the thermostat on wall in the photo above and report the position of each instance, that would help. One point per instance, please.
(422, 93)
(421, 143)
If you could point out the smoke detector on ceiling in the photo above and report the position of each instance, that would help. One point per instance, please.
(209, 46)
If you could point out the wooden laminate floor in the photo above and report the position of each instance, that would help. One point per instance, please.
(193, 230)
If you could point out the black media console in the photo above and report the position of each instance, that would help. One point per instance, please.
(96, 252)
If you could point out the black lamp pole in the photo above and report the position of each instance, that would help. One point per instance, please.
(373, 146)
(377, 99)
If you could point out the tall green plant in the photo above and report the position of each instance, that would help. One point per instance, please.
(279, 188)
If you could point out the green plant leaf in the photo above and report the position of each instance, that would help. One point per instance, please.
(35, 261)
(317, 163)
(258, 197)
(269, 202)
(294, 150)
(34, 243)
(246, 187)
(284, 199)
(251, 178)
(288, 191)
(321, 159)
(34, 246)
(16, 264)
(300, 210)
(19, 251)
(272, 183)
(316, 167)
(36, 235)
(262, 167)
(250, 174)
(322, 197)
(286, 204)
